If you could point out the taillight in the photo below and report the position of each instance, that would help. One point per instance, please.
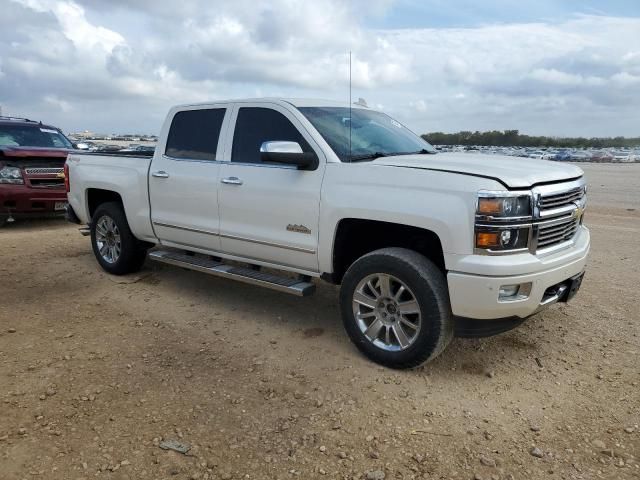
(67, 186)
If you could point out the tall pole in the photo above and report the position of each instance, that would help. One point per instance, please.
(350, 116)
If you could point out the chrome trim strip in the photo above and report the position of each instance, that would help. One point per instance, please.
(235, 237)
(193, 160)
(194, 230)
(269, 244)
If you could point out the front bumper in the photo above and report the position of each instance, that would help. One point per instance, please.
(22, 200)
(475, 296)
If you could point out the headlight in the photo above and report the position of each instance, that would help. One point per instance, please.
(492, 204)
(503, 221)
(11, 175)
(501, 238)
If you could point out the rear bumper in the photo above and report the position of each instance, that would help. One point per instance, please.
(476, 296)
(21, 200)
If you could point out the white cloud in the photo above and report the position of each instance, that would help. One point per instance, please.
(120, 64)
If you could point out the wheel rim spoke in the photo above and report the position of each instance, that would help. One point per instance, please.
(401, 336)
(374, 329)
(362, 299)
(373, 289)
(410, 324)
(409, 307)
(384, 284)
(399, 293)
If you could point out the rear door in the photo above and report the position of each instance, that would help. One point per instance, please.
(184, 178)
(269, 212)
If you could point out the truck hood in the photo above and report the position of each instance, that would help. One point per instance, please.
(34, 152)
(512, 172)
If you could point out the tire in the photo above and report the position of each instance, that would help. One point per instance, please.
(3, 221)
(130, 255)
(424, 291)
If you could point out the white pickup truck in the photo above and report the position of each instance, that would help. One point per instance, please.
(425, 246)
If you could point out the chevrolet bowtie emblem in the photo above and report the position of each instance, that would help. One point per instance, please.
(577, 213)
(60, 175)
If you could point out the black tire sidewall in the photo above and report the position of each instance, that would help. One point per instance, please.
(428, 286)
(132, 254)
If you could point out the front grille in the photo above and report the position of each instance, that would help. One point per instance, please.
(43, 171)
(557, 232)
(562, 199)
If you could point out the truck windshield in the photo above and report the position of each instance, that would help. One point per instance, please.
(32, 136)
(373, 134)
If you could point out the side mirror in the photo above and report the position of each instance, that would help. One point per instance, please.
(288, 153)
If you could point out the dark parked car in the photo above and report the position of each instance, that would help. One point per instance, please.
(32, 157)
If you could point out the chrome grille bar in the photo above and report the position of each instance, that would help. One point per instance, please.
(563, 204)
(43, 171)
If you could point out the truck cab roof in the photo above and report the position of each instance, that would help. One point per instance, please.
(296, 102)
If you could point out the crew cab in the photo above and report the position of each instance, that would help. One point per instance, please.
(32, 157)
(277, 192)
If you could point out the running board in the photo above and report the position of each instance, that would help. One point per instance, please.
(242, 274)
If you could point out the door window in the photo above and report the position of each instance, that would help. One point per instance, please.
(194, 134)
(257, 125)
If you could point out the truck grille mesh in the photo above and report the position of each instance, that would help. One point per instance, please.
(42, 171)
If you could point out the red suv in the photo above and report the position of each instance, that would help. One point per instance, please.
(32, 157)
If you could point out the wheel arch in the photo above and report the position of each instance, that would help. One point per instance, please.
(355, 237)
(97, 196)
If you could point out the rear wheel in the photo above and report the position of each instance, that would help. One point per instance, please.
(395, 307)
(118, 252)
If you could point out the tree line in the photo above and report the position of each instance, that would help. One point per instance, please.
(513, 138)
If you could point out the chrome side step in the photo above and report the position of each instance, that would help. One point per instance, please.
(283, 284)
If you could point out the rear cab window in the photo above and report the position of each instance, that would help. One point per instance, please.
(194, 134)
(256, 125)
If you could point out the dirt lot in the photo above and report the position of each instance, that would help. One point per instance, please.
(96, 371)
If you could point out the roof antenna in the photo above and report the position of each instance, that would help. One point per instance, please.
(350, 116)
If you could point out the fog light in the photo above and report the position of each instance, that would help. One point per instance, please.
(505, 238)
(507, 291)
(514, 292)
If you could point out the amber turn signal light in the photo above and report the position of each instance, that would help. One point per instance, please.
(490, 206)
(487, 239)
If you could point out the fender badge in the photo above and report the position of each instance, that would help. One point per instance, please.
(298, 229)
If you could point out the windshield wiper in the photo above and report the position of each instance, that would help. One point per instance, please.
(367, 156)
(424, 151)
(373, 156)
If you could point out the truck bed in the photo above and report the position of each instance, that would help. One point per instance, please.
(126, 174)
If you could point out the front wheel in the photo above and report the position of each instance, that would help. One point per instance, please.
(118, 252)
(395, 307)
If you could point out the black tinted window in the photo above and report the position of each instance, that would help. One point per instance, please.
(257, 125)
(194, 134)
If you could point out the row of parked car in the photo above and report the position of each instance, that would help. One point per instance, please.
(558, 154)
(90, 146)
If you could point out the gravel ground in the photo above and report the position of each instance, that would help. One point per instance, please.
(97, 372)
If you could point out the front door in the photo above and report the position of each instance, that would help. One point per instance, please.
(184, 178)
(269, 212)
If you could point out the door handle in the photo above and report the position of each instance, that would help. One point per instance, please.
(232, 181)
(160, 174)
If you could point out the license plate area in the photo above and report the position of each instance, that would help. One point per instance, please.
(58, 206)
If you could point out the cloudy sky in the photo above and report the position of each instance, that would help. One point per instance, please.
(546, 67)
